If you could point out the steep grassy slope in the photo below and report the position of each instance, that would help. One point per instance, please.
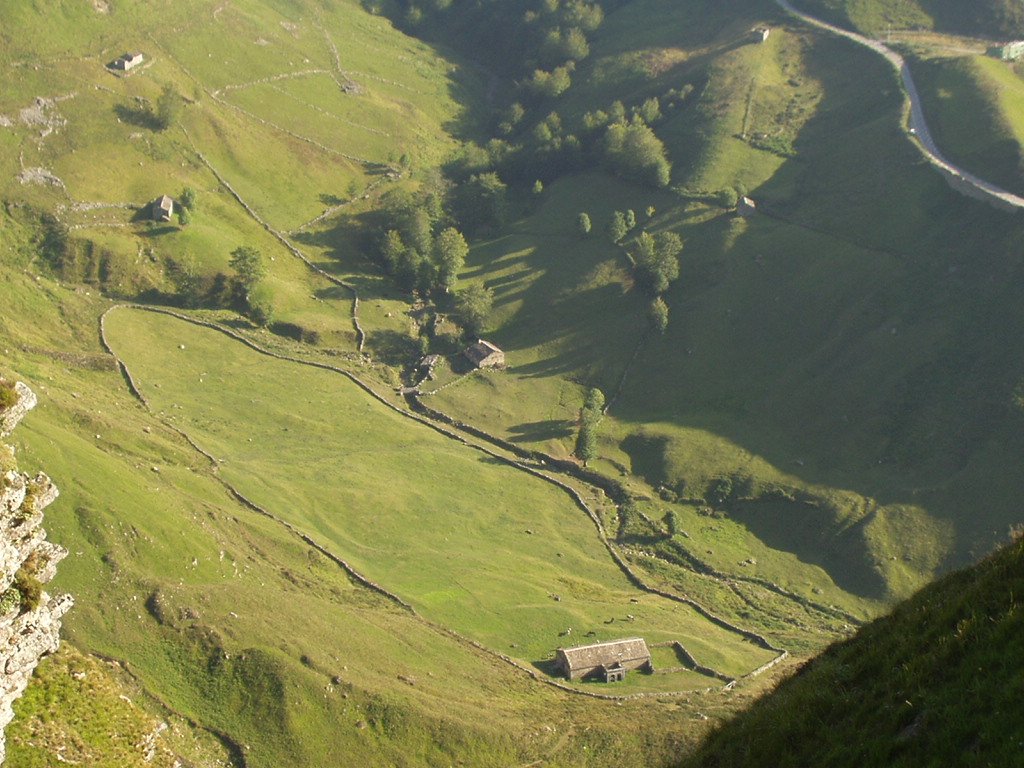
(222, 616)
(236, 625)
(935, 683)
(300, 108)
(829, 414)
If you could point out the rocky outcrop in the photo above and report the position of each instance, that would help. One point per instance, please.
(29, 617)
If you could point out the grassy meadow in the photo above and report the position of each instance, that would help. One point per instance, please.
(479, 548)
(829, 414)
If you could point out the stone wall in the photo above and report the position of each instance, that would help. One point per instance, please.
(27, 560)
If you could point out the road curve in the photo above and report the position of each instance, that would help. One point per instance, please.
(961, 180)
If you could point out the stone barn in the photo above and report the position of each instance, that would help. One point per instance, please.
(760, 34)
(163, 208)
(608, 662)
(128, 61)
(483, 354)
(746, 207)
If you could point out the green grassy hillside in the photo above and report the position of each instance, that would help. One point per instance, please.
(999, 19)
(827, 421)
(240, 632)
(260, 648)
(932, 684)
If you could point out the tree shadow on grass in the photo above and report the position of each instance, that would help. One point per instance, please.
(647, 456)
(159, 231)
(538, 431)
(140, 116)
(332, 200)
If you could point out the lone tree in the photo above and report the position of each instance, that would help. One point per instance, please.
(248, 263)
(187, 198)
(590, 416)
(473, 306)
(583, 225)
(657, 314)
(168, 108)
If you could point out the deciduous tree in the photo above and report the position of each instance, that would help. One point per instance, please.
(248, 264)
(583, 225)
(450, 251)
(473, 306)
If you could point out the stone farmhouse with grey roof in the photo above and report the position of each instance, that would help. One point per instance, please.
(604, 661)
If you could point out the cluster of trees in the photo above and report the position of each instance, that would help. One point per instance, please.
(420, 241)
(418, 245)
(538, 144)
(620, 224)
(590, 417)
(657, 265)
(632, 150)
(245, 291)
(515, 37)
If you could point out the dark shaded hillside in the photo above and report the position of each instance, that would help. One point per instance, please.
(938, 682)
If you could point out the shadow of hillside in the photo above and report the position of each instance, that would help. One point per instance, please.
(863, 333)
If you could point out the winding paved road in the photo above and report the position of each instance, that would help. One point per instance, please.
(961, 180)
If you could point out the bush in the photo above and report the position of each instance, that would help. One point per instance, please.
(30, 589)
(261, 308)
(10, 600)
(8, 396)
(727, 198)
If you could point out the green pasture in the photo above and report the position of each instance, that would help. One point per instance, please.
(474, 545)
(228, 619)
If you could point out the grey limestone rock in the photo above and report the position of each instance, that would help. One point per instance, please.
(27, 633)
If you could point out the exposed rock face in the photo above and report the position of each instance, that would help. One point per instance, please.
(29, 617)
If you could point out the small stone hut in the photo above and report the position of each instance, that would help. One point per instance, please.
(746, 207)
(1007, 51)
(128, 61)
(163, 208)
(760, 34)
(604, 661)
(484, 354)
